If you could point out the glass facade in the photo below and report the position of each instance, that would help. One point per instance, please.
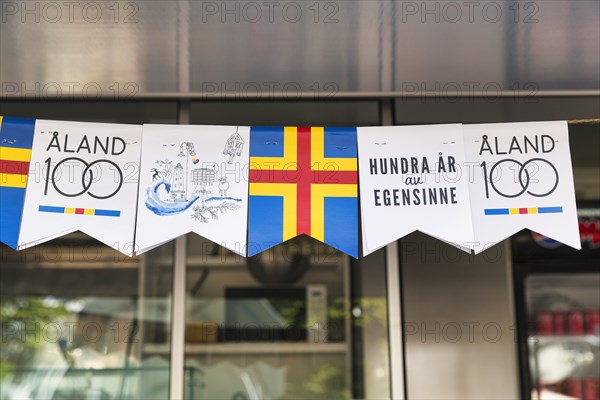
(564, 334)
(300, 321)
(288, 323)
(80, 320)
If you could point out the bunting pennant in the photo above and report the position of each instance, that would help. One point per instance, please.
(522, 178)
(193, 179)
(82, 176)
(413, 178)
(16, 137)
(303, 180)
(250, 189)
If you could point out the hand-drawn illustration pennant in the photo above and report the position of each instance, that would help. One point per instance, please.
(193, 179)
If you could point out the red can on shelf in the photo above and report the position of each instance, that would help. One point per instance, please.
(575, 322)
(558, 323)
(543, 323)
(591, 389)
(592, 322)
(573, 387)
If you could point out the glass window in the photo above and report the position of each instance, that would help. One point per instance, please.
(564, 335)
(298, 321)
(81, 321)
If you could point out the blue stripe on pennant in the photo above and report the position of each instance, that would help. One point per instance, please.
(266, 141)
(107, 213)
(50, 209)
(341, 224)
(11, 209)
(496, 211)
(14, 133)
(549, 210)
(17, 132)
(340, 142)
(264, 233)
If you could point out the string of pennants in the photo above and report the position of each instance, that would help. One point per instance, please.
(135, 187)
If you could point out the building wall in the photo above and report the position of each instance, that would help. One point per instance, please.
(459, 321)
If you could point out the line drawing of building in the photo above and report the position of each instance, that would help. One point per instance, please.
(202, 178)
(178, 186)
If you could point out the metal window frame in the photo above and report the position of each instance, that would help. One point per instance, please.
(179, 297)
(185, 94)
(178, 314)
(394, 295)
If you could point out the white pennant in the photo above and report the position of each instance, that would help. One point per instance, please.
(521, 177)
(412, 178)
(82, 176)
(193, 179)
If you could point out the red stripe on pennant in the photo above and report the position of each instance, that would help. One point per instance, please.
(79, 211)
(293, 176)
(14, 167)
(304, 181)
(523, 211)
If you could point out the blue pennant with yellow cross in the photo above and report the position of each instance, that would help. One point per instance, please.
(16, 140)
(303, 180)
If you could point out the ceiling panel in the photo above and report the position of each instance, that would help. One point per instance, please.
(297, 48)
(88, 48)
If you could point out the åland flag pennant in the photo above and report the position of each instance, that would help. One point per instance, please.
(16, 138)
(303, 180)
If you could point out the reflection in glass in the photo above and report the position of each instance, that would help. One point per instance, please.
(564, 337)
(78, 321)
(284, 324)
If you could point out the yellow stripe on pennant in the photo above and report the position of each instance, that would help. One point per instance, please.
(533, 210)
(69, 210)
(288, 191)
(318, 192)
(13, 180)
(513, 210)
(15, 154)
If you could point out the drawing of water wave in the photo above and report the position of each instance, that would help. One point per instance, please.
(160, 207)
(223, 198)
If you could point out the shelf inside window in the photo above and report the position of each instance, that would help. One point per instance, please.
(253, 348)
(594, 340)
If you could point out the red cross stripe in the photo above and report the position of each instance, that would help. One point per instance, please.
(14, 167)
